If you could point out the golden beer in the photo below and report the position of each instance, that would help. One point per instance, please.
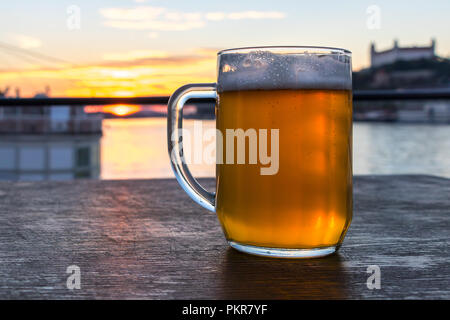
(308, 202)
(284, 149)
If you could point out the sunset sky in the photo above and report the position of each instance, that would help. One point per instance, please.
(139, 48)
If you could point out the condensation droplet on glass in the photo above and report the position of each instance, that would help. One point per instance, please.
(227, 68)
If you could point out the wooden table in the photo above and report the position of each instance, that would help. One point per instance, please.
(147, 240)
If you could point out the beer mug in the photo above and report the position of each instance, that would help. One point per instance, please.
(283, 148)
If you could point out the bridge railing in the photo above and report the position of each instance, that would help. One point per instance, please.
(358, 95)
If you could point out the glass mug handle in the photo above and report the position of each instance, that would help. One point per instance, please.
(175, 140)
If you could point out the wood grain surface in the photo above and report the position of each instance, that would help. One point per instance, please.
(146, 239)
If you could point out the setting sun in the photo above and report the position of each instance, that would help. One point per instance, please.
(120, 110)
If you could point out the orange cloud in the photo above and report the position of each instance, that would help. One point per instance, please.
(134, 54)
(25, 42)
(164, 19)
(154, 18)
(124, 76)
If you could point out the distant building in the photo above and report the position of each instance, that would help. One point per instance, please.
(49, 143)
(380, 58)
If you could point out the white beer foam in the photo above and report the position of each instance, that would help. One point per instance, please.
(264, 70)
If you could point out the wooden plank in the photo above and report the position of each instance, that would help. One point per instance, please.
(147, 240)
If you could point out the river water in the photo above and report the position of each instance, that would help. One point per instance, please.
(137, 149)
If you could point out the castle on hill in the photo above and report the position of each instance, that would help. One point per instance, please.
(380, 58)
